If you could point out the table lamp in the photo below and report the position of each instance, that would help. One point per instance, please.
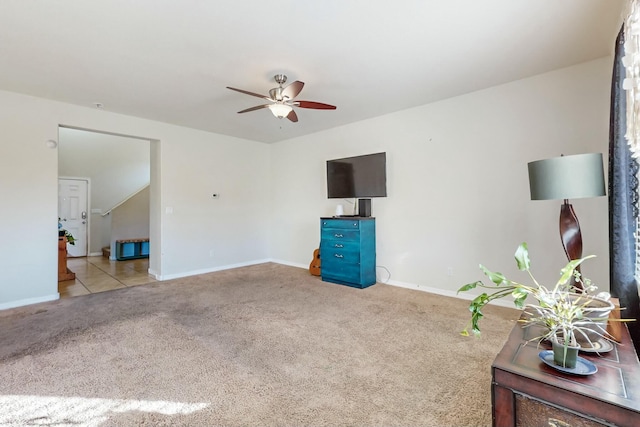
(568, 177)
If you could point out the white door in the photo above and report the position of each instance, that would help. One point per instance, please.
(72, 211)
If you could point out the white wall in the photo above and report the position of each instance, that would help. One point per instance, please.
(130, 220)
(457, 181)
(200, 235)
(457, 184)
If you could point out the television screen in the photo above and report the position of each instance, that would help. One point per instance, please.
(355, 177)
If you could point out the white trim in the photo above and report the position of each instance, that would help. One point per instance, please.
(205, 270)
(416, 287)
(447, 293)
(29, 301)
(155, 175)
(123, 201)
(290, 264)
(413, 286)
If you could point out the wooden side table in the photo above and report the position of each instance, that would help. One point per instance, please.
(527, 392)
(63, 272)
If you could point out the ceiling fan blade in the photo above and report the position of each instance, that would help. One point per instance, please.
(292, 90)
(257, 107)
(246, 92)
(292, 116)
(314, 105)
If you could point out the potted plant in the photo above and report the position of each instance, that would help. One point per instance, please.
(65, 233)
(562, 314)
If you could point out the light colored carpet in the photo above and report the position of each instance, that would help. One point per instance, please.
(266, 345)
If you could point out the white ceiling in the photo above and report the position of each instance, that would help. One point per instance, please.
(170, 60)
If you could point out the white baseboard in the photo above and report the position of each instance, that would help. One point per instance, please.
(290, 264)
(417, 287)
(204, 270)
(446, 293)
(29, 301)
(423, 288)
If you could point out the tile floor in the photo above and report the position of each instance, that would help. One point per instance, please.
(99, 274)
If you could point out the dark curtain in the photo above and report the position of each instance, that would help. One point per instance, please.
(623, 202)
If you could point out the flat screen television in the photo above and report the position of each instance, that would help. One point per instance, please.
(357, 177)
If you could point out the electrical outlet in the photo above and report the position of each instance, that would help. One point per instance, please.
(450, 271)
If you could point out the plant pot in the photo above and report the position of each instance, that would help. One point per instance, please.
(597, 308)
(564, 355)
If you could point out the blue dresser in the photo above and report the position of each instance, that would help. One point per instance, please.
(348, 251)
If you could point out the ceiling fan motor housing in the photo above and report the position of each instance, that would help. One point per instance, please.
(276, 93)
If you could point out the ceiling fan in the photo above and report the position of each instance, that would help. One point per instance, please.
(282, 99)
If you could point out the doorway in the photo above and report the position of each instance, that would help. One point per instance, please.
(116, 167)
(73, 206)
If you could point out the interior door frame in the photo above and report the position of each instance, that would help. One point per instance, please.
(88, 207)
(155, 215)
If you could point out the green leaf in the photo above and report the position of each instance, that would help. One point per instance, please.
(568, 269)
(480, 300)
(520, 292)
(522, 257)
(519, 296)
(519, 301)
(497, 278)
(469, 286)
(476, 313)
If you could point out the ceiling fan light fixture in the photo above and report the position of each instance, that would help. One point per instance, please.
(282, 100)
(280, 110)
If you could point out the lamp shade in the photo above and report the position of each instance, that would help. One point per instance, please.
(567, 177)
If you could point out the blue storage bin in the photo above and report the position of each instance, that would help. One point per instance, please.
(132, 249)
(128, 249)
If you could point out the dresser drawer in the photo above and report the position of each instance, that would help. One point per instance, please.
(342, 271)
(534, 413)
(337, 234)
(330, 254)
(347, 245)
(340, 223)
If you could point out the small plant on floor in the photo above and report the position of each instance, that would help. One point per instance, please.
(62, 232)
(562, 312)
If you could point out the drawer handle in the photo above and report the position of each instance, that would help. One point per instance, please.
(338, 235)
(338, 245)
(338, 256)
(553, 422)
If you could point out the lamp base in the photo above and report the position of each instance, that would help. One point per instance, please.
(571, 236)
